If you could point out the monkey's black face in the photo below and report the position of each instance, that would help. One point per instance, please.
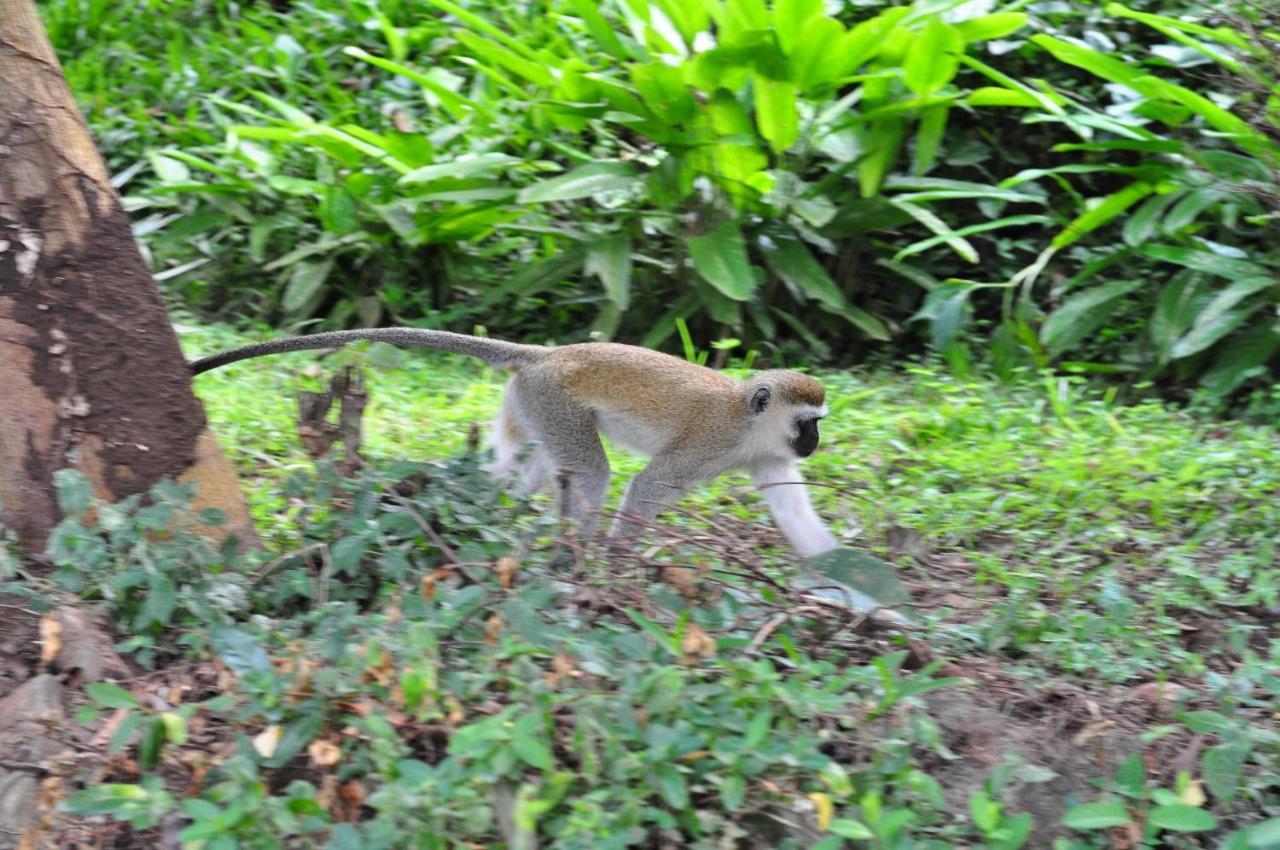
(806, 439)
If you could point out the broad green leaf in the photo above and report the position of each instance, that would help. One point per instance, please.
(947, 310)
(339, 211)
(1222, 766)
(775, 104)
(105, 695)
(1206, 261)
(463, 166)
(933, 58)
(990, 27)
(1109, 208)
(1175, 310)
(1244, 354)
(926, 217)
(239, 650)
(851, 829)
(720, 257)
(1178, 817)
(1143, 223)
(790, 17)
(169, 169)
(1189, 208)
(671, 785)
(862, 572)
(1226, 35)
(1099, 64)
(1104, 815)
(933, 124)
(809, 59)
(792, 261)
(609, 259)
(1219, 317)
(1265, 835)
(1082, 314)
(863, 321)
(306, 282)
(664, 91)
(582, 182)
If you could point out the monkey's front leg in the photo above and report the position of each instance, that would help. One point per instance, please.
(784, 491)
(661, 484)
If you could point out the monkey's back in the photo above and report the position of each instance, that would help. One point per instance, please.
(641, 383)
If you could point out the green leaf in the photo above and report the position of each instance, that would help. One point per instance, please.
(1206, 261)
(933, 125)
(305, 287)
(239, 650)
(609, 259)
(1177, 817)
(863, 573)
(1243, 355)
(926, 217)
(1265, 835)
(990, 27)
(790, 17)
(733, 791)
(531, 749)
(1098, 64)
(1205, 722)
(106, 695)
(582, 182)
(1143, 223)
(463, 166)
(809, 59)
(1219, 318)
(776, 116)
(947, 309)
(851, 829)
(720, 257)
(1106, 210)
(339, 212)
(933, 58)
(980, 227)
(600, 30)
(1083, 313)
(1104, 815)
(1222, 766)
(671, 784)
(792, 261)
(1175, 310)
(880, 141)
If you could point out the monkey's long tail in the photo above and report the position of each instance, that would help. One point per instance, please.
(495, 351)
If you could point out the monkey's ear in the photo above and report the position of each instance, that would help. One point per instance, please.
(760, 400)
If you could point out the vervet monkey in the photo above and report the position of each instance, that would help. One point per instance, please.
(692, 422)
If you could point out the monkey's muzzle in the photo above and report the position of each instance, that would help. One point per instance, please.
(806, 440)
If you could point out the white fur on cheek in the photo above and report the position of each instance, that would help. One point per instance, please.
(784, 491)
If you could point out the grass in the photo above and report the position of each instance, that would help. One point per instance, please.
(1117, 543)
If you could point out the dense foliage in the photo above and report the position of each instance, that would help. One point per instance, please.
(1085, 184)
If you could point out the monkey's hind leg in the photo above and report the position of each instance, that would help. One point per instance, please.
(513, 456)
(569, 445)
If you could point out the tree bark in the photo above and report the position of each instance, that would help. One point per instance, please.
(91, 375)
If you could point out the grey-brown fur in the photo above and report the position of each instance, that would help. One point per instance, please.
(693, 422)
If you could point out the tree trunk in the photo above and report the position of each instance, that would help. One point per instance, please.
(91, 375)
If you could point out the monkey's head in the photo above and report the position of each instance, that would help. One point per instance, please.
(787, 406)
